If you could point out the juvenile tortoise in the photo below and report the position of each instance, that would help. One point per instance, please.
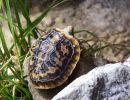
(53, 59)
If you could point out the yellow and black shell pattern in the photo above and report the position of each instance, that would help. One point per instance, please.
(53, 59)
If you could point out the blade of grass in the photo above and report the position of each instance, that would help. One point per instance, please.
(90, 47)
(10, 22)
(4, 43)
(5, 92)
(3, 18)
(16, 41)
(25, 12)
(1, 4)
(2, 58)
(6, 95)
(1, 53)
(20, 87)
(14, 92)
(12, 29)
(91, 33)
(59, 2)
(7, 62)
(24, 44)
(22, 58)
(17, 17)
(100, 48)
(15, 72)
(27, 4)
(24, 90)
(38, 20)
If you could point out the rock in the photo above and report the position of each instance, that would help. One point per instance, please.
(108, 82)
(98, 16)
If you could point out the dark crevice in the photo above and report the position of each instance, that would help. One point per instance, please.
(96, 93)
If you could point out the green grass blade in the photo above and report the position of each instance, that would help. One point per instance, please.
(21, 87)
(91, 33)
(38, 20)
(24, 90)
(101, 48)
(27, 4)
(15, 38)
(4, 91)
(4, 44)
(7, 62)
(1, 53)
(17, 17)
(24, 44)
(11, 26)
(2, 57)
(1, 4)
(25, 12)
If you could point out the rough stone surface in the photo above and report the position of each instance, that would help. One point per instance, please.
(108, 82)
(107, 18)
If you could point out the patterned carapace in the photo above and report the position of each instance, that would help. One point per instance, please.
(53, 58)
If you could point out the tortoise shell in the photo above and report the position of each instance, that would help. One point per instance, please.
(53, 59)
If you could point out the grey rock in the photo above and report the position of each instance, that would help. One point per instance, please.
(108, 82)
(102, 17)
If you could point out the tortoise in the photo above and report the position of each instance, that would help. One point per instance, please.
(53, 58)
